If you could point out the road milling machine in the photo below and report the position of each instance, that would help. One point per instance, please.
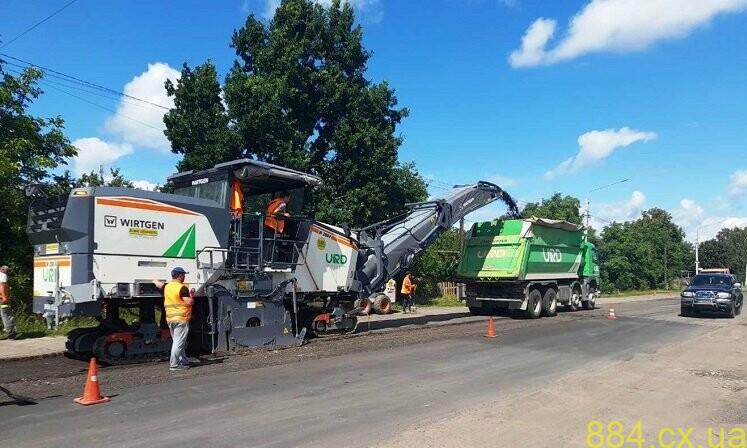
(98, 250)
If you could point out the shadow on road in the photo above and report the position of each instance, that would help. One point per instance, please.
(411, 319)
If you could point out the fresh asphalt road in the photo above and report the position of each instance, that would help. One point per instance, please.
(356, 399)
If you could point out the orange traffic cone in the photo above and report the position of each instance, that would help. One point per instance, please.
(91, 393)
(611, 313)
(491, 329)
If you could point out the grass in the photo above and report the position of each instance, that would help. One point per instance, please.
(444, 301)
(33, 326)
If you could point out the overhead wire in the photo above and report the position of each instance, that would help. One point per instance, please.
(85, 100)
(76, 80)
(80, 89)
(32, 27)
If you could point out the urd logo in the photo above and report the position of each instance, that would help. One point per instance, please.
(110, 221)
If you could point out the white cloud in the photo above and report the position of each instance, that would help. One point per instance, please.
(533, 44)
(689, 216)
(619, 211)
(595, 146)
(141, 124)
(362, 5)
(738, 183)
(692, 208)
(618, 25)
(94, 153)
(697, 223)
(144, 185)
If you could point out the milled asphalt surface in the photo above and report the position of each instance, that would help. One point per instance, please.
(353, 392)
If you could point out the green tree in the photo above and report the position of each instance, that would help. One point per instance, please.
(640, 254)
(727, 250)
(437, 264)
(557, 206)
(94, 179)
(297, 96)
(30, 147)
(198, 125)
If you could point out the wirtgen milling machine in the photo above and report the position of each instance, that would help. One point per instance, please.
(99, 249)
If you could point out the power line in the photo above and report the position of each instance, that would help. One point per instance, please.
(79, 81)
(27, 30)
(85, 100)
(77, 87)
(608, 185)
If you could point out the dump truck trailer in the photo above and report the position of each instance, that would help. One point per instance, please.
(530, 266)
(97, 251)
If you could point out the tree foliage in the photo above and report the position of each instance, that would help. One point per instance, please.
(437, 264)
(640, 254)
(197, 126)
(727, 250)
(557, 206)
(30, 147)
(297, 96)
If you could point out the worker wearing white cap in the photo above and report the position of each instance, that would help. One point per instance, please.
(177, 301)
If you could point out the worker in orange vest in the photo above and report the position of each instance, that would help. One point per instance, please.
(178, 301)
(408, 292)
(5, 313)
(276, 209)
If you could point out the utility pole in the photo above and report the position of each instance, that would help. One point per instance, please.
(697, 258)
(588, 212)
(666, 284)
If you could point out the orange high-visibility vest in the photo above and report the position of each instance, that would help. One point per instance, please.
(4, 289)
(407, 286)
(237, 198)
(176, 309)
(272, 221)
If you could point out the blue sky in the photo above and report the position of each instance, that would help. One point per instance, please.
(537, 96)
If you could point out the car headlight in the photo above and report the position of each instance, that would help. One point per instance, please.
(688, 294)
(723, 295)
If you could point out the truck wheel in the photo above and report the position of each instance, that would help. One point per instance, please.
(382, 304)
(686, 311)
(550, 303)
(589, 304)
(364, 304)
(575, 302)
(534, 305)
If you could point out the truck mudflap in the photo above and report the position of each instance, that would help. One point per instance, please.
(251, 321)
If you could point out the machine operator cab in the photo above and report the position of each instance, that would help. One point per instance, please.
(260, 238)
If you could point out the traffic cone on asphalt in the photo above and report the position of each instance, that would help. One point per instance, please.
(491, 329)
(91, 393)
(611, 313)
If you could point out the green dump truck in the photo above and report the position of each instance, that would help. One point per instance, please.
(530, 265)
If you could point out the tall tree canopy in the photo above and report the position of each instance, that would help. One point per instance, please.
(297, 96)
(640, 254)
(555, 207)
(727, 250)
(30, 147)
